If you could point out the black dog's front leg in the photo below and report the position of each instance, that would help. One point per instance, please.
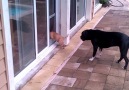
(94, 50)
(95, 47)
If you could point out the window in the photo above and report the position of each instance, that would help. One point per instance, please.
(96, 2)
(22, 31)
(41, 24)
(77, 10)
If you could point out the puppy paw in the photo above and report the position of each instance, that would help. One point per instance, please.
(91, 59)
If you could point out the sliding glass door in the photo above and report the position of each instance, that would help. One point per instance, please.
(52, 18)
(23, 33)
(41, 10)
(30, 29)
(80, 9)
(77, 11)
(96, 2)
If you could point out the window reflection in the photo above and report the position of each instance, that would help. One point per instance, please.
(41, 24)
(22, 33)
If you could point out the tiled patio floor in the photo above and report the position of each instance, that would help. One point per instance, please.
(101, 74)
(66, 71)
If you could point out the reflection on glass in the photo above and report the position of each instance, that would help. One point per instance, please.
(72, 13)
(80, 9)
(96, 2)
(77, 10)
(22, 33)
(51, 7)
(41, 24)
(52, 18)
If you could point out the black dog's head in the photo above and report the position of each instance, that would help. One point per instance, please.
(86, 35)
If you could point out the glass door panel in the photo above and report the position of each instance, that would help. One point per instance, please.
(80, 9)
(77, 10)
(22, 32)
(96, 2)
(72, 13)
(41, 9)
(52, 18)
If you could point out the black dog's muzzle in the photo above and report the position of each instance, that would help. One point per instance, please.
(82, 38)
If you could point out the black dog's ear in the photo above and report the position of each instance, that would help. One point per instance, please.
(90, 29)
(84, 32)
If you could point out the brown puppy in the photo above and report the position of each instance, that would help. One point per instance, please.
(57, 37)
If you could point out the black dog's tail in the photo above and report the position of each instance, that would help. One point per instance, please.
(128, 42)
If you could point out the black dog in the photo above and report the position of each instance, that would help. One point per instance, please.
(101, 39)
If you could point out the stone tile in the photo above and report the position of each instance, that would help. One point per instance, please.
(126, 85)
(84, 47)
(128, 68)
(55, 87)
(110, 52)
(86, 67)
(92, 63)
(32, 86)
(117, 72)
(113, 80)
(98, 77)
(87, 43)
(80, 83)
(73, 59)
(105, 62)
(90, 53)
(106, 57)
(103, 69)
(44, 74)
(70, 65)
(113, 87)
(67, 72)
(118, 65)
(49, 68)
(71, 88)
(64, 81)
(127, 76)
(113, 48)
(92, 85)
(80, 53)
(82, 60)
(81, 75)
(55, 61)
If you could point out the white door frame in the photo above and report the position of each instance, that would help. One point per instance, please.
(8, 46)
(28, 72)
